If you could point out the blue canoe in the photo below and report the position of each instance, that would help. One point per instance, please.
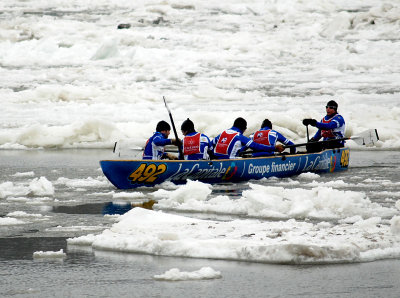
(125, 174)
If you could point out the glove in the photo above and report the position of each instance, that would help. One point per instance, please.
(292, 150)
(279, 148)
(176, 142)
(311, 122)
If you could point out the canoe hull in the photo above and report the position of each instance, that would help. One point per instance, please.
(126, 174)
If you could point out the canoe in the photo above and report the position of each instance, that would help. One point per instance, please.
(127, 174)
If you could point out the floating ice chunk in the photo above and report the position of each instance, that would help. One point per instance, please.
(74, 229)
(128, 195)
(191, 191)
(18, 199)
(86, 240)
(351, 220)
(168, 185)
(109, 49)
(41, 187)
(39, 201)
(395, 225)
(9, 221)
(79, 183)
(337, 26)
(398, 204)
(23, 214)
(9, 189)
(24, 174)
(146, 231)
(279, 202)
(369, 224)
(335, 183)
(175, 274)
(309, 176)
(49, 254)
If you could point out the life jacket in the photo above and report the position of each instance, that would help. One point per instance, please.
(261, 137)
(224, 141)
(191, 144)
(327, 133)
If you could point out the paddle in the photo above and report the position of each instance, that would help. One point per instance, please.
(368, 137)
(173, 126)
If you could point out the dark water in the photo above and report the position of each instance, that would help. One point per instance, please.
(87, 273)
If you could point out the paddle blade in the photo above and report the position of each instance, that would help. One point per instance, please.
(128, 148)
(165, 102)
(368, 137)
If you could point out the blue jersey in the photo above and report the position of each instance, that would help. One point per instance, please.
(195, 146)
(268, 136)
(331, 127)
(154, 148)
(230, 142)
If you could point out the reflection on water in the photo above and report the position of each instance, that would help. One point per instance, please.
(112, 208)
(121, 208)
(94, 208)
(22, 248)
(109, 208)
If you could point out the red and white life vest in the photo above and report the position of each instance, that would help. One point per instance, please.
(327, 133)
(224, 141)
(191, 144)
(261, 137)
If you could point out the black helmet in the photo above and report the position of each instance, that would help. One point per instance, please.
(266, 123)
(332, 104)
(162, 125)
(187, 126)
(240, 123)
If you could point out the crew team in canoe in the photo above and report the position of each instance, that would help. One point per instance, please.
(231, 142)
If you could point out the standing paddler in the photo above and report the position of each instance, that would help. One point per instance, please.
(331, 127)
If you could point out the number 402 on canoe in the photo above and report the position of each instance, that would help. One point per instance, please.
(344, 159)
(147, 173)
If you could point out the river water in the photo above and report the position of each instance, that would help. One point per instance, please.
(77, 207)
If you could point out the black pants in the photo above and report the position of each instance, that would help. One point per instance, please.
(319, 146)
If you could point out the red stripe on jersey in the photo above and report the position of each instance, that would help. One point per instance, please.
(191, 144)
(224, 141)
(261, 137)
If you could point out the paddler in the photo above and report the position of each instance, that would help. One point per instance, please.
(331, 127)
(267, 136)
(195, 145)
(154, 148)
(232, 141)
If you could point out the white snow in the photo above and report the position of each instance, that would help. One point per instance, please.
(319, 202)
(83, 83)
(36, 187)
(49, 254)
(151, 232)
(10, 221)
(175, 274)
(25, 174)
